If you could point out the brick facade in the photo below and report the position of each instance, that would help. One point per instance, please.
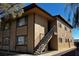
(38, 25)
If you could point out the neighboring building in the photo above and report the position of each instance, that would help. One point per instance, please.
(76, 40)
(35, 31)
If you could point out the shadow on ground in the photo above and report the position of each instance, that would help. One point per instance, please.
(72, 53)
(9, 53)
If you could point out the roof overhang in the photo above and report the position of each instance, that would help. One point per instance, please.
(33, 8)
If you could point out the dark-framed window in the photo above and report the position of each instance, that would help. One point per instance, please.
(66, 28)
(60, 40)
(21, 40)
(70, 40)
(60, 25)
(6, 27)
(22, 21)
(70, 30)
(5, 41)
(66, 40)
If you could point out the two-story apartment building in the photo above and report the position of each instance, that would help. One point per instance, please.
(35, 31)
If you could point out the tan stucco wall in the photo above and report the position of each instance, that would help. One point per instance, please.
(62, 33)
(40, 29)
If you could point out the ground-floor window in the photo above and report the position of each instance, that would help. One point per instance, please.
(21, 40)
(66, 40)
(5, 41)
(60, 40)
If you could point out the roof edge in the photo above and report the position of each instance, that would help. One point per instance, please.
(35, 5)
(64, 20)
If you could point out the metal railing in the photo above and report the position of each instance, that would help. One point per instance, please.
(43, 43)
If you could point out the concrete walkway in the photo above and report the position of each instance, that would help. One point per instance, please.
(49, 53)
(57, 53)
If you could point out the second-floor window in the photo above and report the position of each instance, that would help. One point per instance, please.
(21, 21)
(6, 41)
(60, 25)
(70, 31)
(66, 28)
(6, 27)
(70, 40)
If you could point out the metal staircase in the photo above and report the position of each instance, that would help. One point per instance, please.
(43, 43)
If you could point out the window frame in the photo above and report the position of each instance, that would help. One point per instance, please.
(65, 28)
(60, 25)
(70, 30)
(60, 40)
(6, 26)
(4, 41)
(66, 40)
(24, 40)
(26, 21)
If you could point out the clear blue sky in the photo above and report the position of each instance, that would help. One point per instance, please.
(59, 8)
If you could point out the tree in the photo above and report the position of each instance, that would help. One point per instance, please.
(10, 8)
(74, 8)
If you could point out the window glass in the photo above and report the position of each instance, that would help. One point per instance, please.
(6, 27)
(6, 41)
(60, 25)
(70, 40)
(60, 40)
(20, 40)
(21, 22)
(70, 31)
(66, 40)
(66, 28)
